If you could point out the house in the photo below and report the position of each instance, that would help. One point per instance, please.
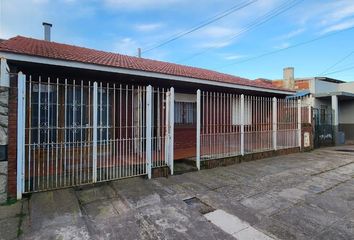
(79, 116)
(332, 101)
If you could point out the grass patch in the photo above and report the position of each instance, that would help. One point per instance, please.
(9, 201)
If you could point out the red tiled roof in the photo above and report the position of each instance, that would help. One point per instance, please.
(53, 50)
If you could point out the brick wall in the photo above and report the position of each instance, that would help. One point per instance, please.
(184, 142)
(12, 137)
(306, 127)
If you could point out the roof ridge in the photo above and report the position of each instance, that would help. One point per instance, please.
(67, 52)
(125, 55)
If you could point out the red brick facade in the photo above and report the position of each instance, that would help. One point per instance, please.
(12, 137)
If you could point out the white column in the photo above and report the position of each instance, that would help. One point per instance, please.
(94, 125)
(198, 128)
(335, 110)
(299, 121)
(21, 119)
(310, 103)
(242, 118)
(275, 123)
(172, 127)
(335, 113)
(148, 130)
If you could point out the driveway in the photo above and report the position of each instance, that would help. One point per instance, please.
(298, 196)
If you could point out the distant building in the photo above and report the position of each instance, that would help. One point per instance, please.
(331, 99)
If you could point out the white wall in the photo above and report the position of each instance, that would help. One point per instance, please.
(318, 86)
(346, 87)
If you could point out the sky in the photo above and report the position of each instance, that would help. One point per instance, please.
(256, 39)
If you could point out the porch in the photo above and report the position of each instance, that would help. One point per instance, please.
(75, 132)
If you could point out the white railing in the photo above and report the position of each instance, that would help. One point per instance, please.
(78, 132)
(233, 124)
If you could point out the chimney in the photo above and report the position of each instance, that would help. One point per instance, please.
(288, 77)
(47, 27)
(139, 52)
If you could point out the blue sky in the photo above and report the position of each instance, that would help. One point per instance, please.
(124, 25)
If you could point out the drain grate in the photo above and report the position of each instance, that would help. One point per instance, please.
(345, 150)
(198, 205)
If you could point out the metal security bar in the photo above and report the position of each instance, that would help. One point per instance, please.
(287, 123)
(79, 132)
(258, 124)
(159, 127)
(220, 130)
(231, 124)
(121, 138)
(58, 133)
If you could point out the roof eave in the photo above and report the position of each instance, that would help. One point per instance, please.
(89, 66)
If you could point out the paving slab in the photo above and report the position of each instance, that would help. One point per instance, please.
(10, 210)
(9, 228)
(55, 214)
(310, 220)
(299, 196)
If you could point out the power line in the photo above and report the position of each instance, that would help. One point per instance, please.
(290, 47)
(336, 63)
(339, 71)
(257, 22)
(205, 23)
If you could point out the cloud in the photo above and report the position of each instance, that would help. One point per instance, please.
(338, 11)
(283, 45)
(291, 34)
(217, 32)
(126, 46)
(339, 26)
(138, 4)
(219, 44)
(148, 27)
(234, 57)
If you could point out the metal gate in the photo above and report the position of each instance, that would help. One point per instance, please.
(323, 128)
(78, 132)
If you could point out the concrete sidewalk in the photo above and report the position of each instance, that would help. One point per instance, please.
(298, 196)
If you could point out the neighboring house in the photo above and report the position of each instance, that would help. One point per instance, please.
(79, 116)
(332, 100)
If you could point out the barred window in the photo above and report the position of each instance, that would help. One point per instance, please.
(185, 113)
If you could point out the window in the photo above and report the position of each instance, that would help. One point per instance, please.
(64, 116)
(76, 114)
(185, 113)
(236, 112)
(102, 114)
(44, 114)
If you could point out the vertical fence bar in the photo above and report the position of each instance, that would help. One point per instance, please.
(242, 121)
(21, 108)
(148, 129)
(299, 121)
(309, 113)
(94, 140)
(198, 129)
(275, 123)
(172, 128)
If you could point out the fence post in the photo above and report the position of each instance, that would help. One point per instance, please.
(275, 125)
(148, 129)
(94, 140)
(299, 121)
(198, 128)
(310, 114)
(21, 116)
(242, 118)
(172, 128)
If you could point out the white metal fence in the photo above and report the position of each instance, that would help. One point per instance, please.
(232, 124)
(79, 132)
